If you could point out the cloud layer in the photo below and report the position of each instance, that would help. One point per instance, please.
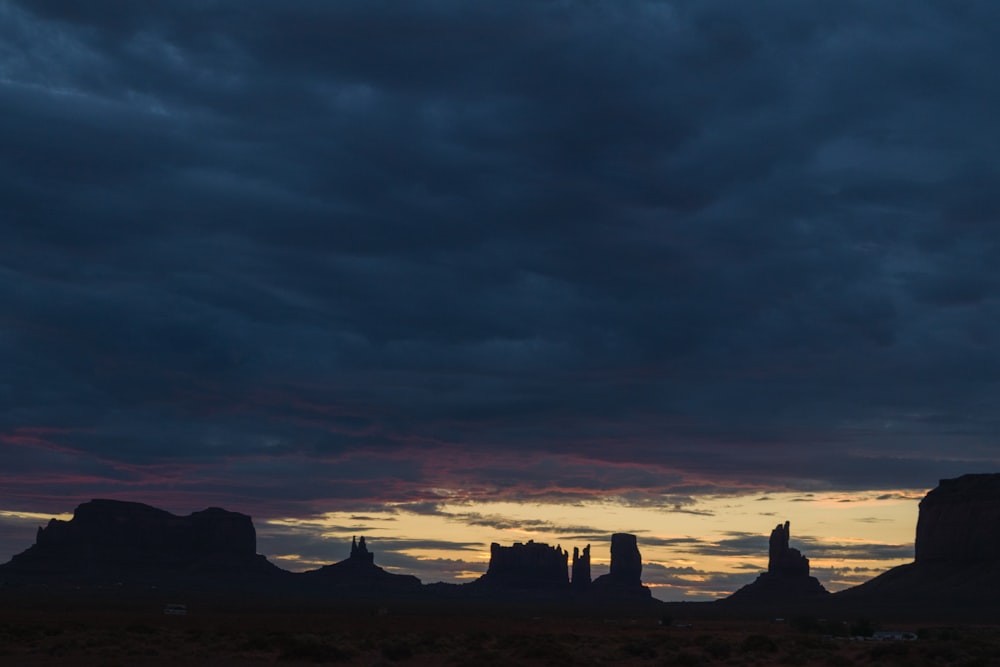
(294, 256)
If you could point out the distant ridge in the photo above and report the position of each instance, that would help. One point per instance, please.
(127, 544)
(133, 546)
(116, 539)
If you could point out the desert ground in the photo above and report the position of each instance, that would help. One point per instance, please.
(372, 633)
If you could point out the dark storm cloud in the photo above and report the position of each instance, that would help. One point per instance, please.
(317, 253)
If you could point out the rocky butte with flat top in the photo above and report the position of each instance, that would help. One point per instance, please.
(112, 538)
(532, 565)
(538, 567)
(956, 551)
(625, 578)
(959, 522)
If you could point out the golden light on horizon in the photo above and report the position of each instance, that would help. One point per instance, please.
(712, 537)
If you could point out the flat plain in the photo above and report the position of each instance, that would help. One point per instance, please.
(370, 634)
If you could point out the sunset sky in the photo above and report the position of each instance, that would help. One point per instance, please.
(445, 273)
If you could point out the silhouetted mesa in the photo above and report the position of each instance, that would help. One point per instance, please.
(533, 565)
(787, 577)
(957, 551)
(542, 568)
(116, 537)
(112, 545)
(625, 577)
(959, 521)
(359, 571)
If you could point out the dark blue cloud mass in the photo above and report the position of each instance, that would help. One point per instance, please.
(305, 255)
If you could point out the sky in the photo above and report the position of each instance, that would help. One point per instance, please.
(448, 272)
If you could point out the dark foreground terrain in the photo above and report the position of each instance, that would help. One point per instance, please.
(128, 633)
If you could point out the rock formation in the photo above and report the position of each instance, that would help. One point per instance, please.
(787, 577)
(626, 562)
(625, 577)
(783, 560)
(533, 565)
(359, 572)
(957, 553)
(111, 536)
(581, 568)
(959, 521)
(119, 546)
(542, 570)
(359, 551)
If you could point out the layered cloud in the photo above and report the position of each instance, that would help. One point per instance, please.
(288, 257)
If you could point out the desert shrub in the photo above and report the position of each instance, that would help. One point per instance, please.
(260, 642)
(837, 660)
(313, 649)
(19, 633)
(940, 652)
(794, 658)
(687, 659)
(140, 629)
(758, 644)
(715, 646)
(806, 625)
(977, 661)
(476, 638)
(64, 647)
(195, 635)
(397, 648)
(862, 627)
(484, 658)
(668, 644)
(718, 648)
(430, 641)
(814, 644)
(886, 652)
(640, 648)
(837, 628)
(536, 647)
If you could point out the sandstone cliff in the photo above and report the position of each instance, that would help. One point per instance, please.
(526, 566)
(957, 553)
(542, 570)
(625, 577)
(116, 537)
(959, 521)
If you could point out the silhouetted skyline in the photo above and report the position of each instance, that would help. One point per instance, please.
(470, 263)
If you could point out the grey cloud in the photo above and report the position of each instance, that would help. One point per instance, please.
(754, 545)
(742, 244)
